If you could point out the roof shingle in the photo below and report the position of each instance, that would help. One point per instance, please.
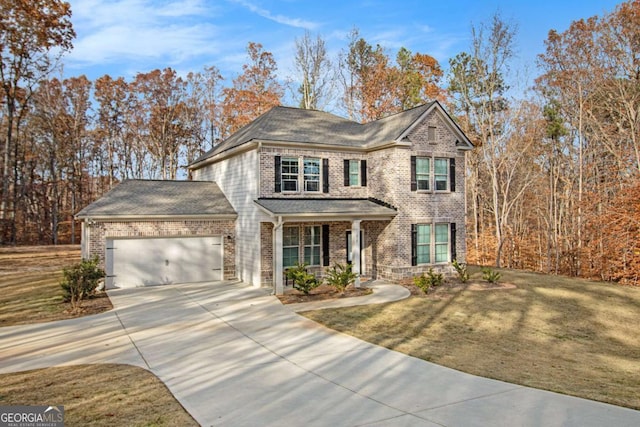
(148, 198)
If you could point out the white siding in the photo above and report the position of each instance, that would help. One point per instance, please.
(238, 179)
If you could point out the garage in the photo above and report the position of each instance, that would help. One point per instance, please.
(146, 233)
(163, 261)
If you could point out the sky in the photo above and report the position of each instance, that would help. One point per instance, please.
(125, 37)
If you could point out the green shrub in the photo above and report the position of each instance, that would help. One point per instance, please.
(431, 280)
(489, 275)
(303, 281)
(340, 276)
(461, 269)
(80, 281)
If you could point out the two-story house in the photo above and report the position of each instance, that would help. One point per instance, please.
(295, 186)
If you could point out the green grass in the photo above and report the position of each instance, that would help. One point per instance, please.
(555, 333)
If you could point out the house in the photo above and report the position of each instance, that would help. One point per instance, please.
(295, 186)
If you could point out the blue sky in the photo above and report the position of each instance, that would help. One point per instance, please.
(123, 37)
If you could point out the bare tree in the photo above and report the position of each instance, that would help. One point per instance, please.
(314, 72)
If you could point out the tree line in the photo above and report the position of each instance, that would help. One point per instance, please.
(552, 184)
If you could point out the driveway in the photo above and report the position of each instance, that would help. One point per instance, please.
(234, 356)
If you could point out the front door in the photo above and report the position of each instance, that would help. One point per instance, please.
(362, 264)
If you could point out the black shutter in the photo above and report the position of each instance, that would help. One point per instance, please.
(346, 173)
(452, 174)
(346, 245)
(454, 255)
(363, 173)
(278, 177)
(325, 245)
(414, 182)
(325, 175)
(414, 244)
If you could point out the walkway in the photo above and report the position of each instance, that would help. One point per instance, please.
(234, 356)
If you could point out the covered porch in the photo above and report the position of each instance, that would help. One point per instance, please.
(321, 233)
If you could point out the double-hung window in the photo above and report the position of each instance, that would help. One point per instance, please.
(423, 173)
(432, 243)
(441, 174)
(312, 244)
(354, 173)
(311, 174)
(290, 246)
(290, 170)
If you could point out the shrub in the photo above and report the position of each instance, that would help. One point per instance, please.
(340, 276)
(432, 279)
(461, 269)
(80, 281)
(303, 281)
(489, 275)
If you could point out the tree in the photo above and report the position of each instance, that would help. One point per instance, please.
(254, 92)
(478, 86)
(315, 73)
(33, 36)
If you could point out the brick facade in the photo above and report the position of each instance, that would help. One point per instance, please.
(99, 231)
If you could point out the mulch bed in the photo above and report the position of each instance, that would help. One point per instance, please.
(322, 292)
(453, 286)
(99, 303)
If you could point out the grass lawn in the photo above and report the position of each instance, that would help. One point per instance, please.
(30, 285)
(566, 335)
(97, 395)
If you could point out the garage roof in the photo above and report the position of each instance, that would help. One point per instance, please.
(323, 208)
(154, 198)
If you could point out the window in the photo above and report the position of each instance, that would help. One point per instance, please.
(423, 173)
(290, 174)
(431, 243)
(311, 174)
(423, 244)
(290, 246)
(442, 242)
(312, 242)
(441, 174)
(354, 172)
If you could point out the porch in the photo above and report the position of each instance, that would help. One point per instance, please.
(321, 233)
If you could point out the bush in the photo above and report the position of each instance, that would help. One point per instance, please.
(461, 269)
(340, 277)
(303, 281)
(80, 281)
(489, 275)
(431, 280)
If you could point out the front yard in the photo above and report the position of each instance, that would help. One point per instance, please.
(566, 335)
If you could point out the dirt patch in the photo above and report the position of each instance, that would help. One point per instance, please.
(322, 292)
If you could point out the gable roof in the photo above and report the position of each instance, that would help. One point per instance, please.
(151, 198)
(295, 125)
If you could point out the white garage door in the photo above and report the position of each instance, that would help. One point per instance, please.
(160, 261)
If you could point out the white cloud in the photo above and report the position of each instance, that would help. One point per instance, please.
(137, 30)
(280, 19)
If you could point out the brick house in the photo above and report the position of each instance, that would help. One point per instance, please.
(308, 186)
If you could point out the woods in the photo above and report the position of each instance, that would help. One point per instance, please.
(553, 184)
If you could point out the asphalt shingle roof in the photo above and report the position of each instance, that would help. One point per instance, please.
(144, 198)
(289, 207)
(286, 124)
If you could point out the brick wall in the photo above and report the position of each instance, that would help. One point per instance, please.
(100, 231)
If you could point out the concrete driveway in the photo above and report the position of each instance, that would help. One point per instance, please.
(234, 356)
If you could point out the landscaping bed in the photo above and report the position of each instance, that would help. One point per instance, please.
(322, 292)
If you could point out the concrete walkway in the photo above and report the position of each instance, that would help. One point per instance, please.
(234, 356)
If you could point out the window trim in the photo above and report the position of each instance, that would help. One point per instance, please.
(289, 162)
(305, 181)
(446, 175)
(311, 245)
(432, 244)
(297, 247)
(428, 174)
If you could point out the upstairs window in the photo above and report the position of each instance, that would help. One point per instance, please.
(311, 174)
(423, 173)
(290, 170)
(355, 173)
(441, 174)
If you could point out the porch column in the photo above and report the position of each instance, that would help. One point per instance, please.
(355, 250)
(277, 257)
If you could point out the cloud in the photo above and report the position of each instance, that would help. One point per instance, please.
(126, 31)
(280, 19)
